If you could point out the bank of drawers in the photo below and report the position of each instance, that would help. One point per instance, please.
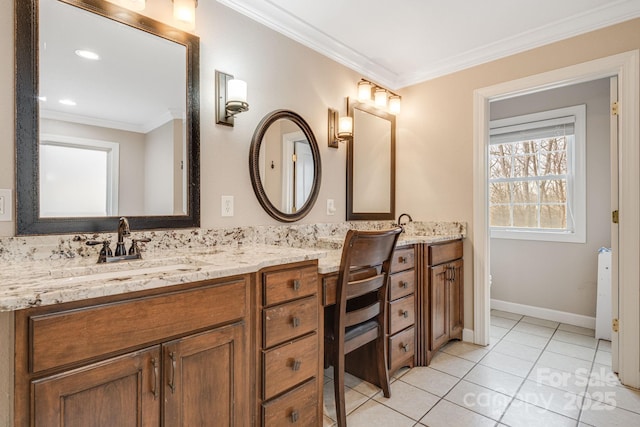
(401, 310)
(290, 349)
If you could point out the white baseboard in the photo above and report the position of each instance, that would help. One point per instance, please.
(545, 313)
(468, 335)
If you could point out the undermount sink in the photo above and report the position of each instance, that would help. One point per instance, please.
(131, 272)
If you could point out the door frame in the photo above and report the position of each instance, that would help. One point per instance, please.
(626, 66)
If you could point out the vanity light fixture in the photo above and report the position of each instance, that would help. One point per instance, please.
(378, 96)
(185, 12)
(135, 5)
(231, 96)
(340, 128)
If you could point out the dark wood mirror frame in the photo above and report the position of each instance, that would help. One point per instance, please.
(28, 220)
(372, 216)
(254, 165)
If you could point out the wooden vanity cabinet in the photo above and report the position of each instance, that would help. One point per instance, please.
(443, 295)
(155, 358)
(288, 384)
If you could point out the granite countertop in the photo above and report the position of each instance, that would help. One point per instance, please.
(44, 282)
(32, 284)
(331, 262)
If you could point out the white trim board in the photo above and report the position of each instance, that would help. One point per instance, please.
(467, 335)
(544, 313)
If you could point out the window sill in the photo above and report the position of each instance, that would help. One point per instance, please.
(545, 236)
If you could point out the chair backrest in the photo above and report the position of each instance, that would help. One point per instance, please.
(363, 276)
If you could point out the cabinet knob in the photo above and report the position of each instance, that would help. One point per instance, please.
(296, 285)
(405, 313)
(294, 416)
(405, 348)
(296, 365)
(295, 322)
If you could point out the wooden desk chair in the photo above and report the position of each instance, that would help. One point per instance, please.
(360, 313)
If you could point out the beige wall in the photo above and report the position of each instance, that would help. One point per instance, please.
(435, 129)
(556, 275)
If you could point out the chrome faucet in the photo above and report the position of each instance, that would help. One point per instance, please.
(400, 224)
(123, 230)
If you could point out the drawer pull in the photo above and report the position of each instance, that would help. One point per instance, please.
(295, 322)
(294, 416)
(296, 285)
(154, 362)
(405, 313)
(405, 348)
(404, 285)
(296, 365)
(403, 259)
(172, 380)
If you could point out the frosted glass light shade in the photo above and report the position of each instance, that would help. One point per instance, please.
(381, 98)
(236, 91)
(345, 127)
(185, 12)
(394, 104)
(364, 91)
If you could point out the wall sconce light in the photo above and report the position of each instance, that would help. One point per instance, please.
(340, 128)
(382, 98)
(135, 5)
(185, 12)
(231, 96)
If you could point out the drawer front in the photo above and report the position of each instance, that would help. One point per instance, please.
(287, 365)
(401, 347)
(403, 259)
(285, 285)
(287, 321)
(298, 407)
(401, 314)
(71, 336)
(445, 252)
(402, 284)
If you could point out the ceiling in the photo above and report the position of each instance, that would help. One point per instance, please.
(401, 43)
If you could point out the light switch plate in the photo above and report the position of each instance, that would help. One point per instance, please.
(6, 205)
(227, 206)
(331, 207)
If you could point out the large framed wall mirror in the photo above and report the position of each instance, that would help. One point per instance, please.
(107, 119)
(371, 164)
(284, 164)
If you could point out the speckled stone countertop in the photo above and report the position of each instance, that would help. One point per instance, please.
(44, 270)
(29, 284)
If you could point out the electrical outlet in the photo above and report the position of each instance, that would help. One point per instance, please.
(227, 206)
(6, 208)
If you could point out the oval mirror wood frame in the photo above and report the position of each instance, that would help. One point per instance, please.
(254, 165)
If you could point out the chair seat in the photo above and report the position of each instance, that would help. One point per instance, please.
(353, 331)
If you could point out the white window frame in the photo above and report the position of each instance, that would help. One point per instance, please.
(113, 162)
(576, 185)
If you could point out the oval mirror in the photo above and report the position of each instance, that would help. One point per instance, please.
(284, 163)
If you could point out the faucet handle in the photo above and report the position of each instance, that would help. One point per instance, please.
(105, 251)
(135, 249)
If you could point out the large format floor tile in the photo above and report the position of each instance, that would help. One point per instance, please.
(536, 372)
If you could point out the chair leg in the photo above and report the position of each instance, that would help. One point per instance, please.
(381, 364)
(338, 388)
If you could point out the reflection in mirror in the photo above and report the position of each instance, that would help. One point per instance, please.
(371, 164)
(109, 125)
(285, 165)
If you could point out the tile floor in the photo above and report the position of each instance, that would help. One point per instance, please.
(534, 373)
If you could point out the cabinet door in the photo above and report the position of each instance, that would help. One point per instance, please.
(456, 299)
(438, 284)
(123, 391)
(206, 380)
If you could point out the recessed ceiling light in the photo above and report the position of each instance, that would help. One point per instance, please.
(87, 54)
(67, 102)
